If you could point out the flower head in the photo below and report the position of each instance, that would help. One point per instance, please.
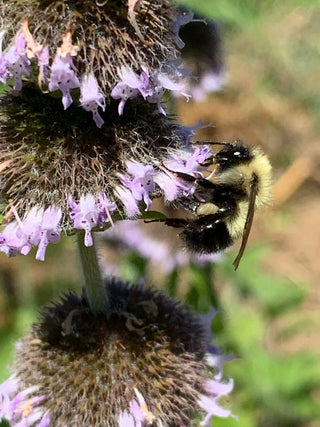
(61, 172)
(87, 49)
(145, 365)
(73, 150)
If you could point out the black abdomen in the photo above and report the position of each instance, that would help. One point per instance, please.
(206, 238)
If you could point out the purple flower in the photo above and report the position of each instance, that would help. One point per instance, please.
(19, 236)
(18, 408)
(199, 156)
(36, 228)
(7, 388)
(188, 164)
(144, 82)
(123, 92)
(43, 62)
(211, 81)
(29, 230)
(211, 406)
(9, 242)
(17, 61)
(50, 230)
(129, 202)
(45, 420)
(5, 74)
(84, 215)
(168, 184)
(129, 87)
(166, 82)
(4, 71)
(155, 98)
(182, 19)
(150, 86)
(91, 97)
(139, 415)
(142, 183)
(160, 81)
(105, 208)
(215, 389)
(187, 132)
(126, 420)
(183, 187)
(63, 78)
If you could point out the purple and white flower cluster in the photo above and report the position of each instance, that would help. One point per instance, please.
(88, 214)
(21, 58)
(39, 226)
(60, 74)
(21, 409)
(215, 389)
(151, 85)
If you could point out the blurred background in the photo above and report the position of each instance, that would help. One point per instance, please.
(267, 94)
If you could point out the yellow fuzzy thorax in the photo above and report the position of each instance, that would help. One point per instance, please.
(241, 177)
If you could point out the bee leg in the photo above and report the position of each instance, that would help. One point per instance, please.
(171, 222)
(176, 222)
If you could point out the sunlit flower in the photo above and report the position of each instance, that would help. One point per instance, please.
(91, 98)
(60, 172)
(83, 134)
(63, 78)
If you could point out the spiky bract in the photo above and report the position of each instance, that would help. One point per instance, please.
(104, 38)
(47, 153)
(88, 367)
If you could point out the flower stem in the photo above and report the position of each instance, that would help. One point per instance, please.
(95, 291)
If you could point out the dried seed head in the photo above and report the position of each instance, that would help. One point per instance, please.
(91, 369)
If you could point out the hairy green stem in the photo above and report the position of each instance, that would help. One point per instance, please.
(95, 291)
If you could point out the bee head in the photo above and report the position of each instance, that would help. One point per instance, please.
(232, 155)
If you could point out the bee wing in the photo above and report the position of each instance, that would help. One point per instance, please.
(249, 220)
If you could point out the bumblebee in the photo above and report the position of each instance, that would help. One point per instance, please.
(223, 204)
